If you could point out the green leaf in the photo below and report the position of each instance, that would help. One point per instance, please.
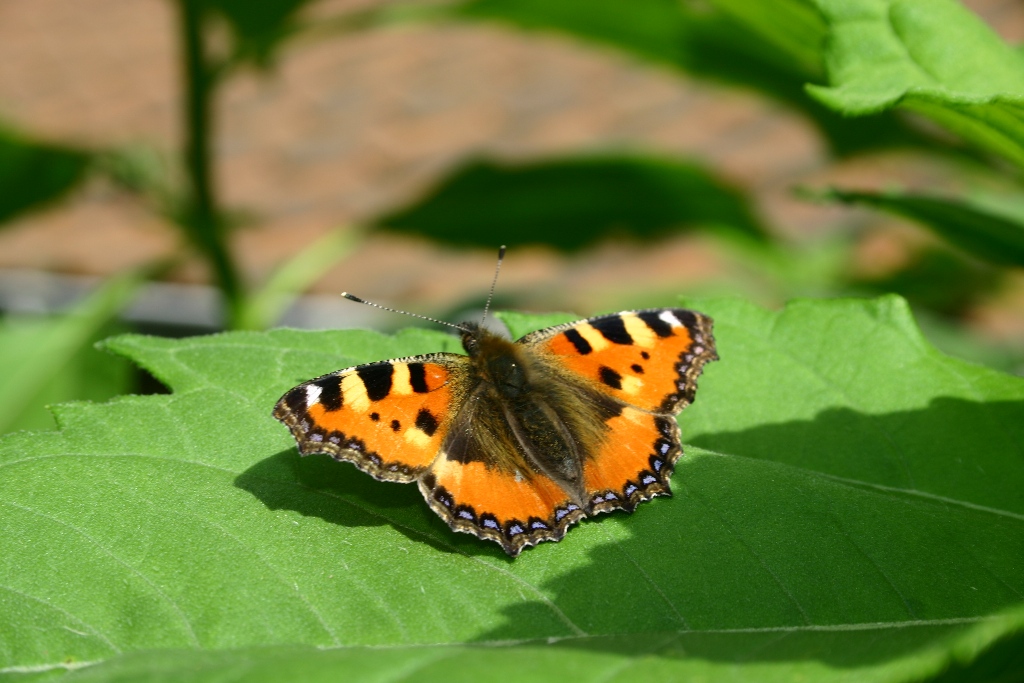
(572, 202)
(87, 374)
(35, 173)
(931, 56)
(39, 356)
(977, 227)
(773, 47)
(258, 28)
(850, 508)
(653, 29)
(572, 659)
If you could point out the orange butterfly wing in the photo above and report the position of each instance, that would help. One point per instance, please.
(482, 484)
(428, 418)
(648, 361)
(388, 418)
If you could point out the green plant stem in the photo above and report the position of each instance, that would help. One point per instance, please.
(201, 218)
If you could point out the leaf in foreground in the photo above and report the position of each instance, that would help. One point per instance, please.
(852, 508)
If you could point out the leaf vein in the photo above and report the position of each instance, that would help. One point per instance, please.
(174, 605)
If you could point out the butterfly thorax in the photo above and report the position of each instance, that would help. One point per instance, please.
(513, 386)
(497, 360)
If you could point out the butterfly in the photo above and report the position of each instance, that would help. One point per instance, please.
(518, 440)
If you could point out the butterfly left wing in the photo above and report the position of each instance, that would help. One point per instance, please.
(646, 363)
(388, 418)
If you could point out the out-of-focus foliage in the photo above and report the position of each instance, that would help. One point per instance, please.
(978, 229)
(87, 374)
(569, 203)
(49, 360)
(258, 27)
(936, 279)
(266, 305)
(773, 47)
(34, 173)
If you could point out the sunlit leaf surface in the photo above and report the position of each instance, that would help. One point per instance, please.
(851, 508)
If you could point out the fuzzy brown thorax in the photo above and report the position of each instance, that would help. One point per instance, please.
(537, 422)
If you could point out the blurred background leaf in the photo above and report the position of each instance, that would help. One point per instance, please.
(266, 305)
(934, 57)
(772, 47)
(86, 374)
(52, 359)
(935, 279)
(976, 227)
(572, 202)
(33, 173)
(258, 28)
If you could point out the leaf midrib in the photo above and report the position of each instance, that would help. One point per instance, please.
(526, 642)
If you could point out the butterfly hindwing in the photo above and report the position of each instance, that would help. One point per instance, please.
(648, 359)
(634, 463)
(482, 483)
(388, 418)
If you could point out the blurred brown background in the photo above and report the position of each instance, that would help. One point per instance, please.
(342, 129)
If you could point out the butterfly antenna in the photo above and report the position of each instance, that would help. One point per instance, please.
(353, 297)
(494, 282)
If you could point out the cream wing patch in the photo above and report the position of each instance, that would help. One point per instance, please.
(354, 391)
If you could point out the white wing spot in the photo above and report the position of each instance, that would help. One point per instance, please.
(312, 394)
(670, 318)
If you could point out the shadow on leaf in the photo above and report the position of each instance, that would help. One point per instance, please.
(338, 493)
(774, 549)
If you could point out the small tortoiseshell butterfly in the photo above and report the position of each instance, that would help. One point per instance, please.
(517, 441)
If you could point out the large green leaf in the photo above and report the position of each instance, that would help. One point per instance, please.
(33, 173)
(931, 56)
(572, 202)
(852, 509)
(595, 659)
(976, 227)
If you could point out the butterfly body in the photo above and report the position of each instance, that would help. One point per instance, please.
(516, 441)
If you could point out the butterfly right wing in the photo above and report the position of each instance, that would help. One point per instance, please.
(389, 418)
(646, 364)
(649, 359)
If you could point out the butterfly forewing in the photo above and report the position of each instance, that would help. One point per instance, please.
(389, 418)
(649, 359)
